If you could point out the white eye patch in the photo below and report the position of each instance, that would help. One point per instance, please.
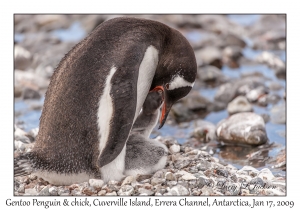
(179, 82)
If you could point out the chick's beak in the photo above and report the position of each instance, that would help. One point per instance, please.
(166, 106)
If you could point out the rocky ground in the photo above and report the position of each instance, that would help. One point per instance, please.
(230, 128)
(189, 171)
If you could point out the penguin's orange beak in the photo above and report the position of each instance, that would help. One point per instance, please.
(166, 107)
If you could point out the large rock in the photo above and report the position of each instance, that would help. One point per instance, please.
(239, 104)
(242, 128)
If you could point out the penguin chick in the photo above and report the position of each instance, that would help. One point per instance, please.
(144, 155)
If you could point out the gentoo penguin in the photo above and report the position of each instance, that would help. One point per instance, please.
(96, 93)
(144, 155)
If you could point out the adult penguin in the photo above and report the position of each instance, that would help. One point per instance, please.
(96, 93)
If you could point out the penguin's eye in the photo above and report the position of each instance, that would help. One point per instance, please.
(167, 86)
(159, 91)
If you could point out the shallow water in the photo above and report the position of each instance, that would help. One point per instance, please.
(233, 154)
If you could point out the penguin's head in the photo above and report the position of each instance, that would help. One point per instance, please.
(172, 91)
(176, 71)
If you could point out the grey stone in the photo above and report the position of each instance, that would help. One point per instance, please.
(144, 191)
(242, 128)
(278, 115)
(156, 181)
(170, 176)
(239, 104)
(126, 190)
(204, 131)
(175, 148)
(179, 190)
(96, 183)
(128, 180)
(53, 190)
(203, 165)
(45, 191)
(111, 194)
(31, 191)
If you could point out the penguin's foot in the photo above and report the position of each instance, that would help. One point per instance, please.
(144, 156)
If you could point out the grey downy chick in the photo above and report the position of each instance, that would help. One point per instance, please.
(144, 155)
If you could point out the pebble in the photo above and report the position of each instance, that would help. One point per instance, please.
(111, 194)
(211, 74)
(239, 104)
(126, 190)
(45, 191)
(266, 174)
(170, 176)
(204, 131)
(174, 149)
(144, 191)
(156, 181)
(188, 177)
(31, 191)
(96, 183)
(179, 190)
(29, 93)
(53, 190)
(242, 128)
(128, 180)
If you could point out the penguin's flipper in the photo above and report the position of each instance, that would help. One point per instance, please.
(123, 93)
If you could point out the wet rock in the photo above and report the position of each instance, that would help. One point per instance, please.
(209, 56)
(268, 99)
(23, 58)
(273, 62)
(275, 86)
(29, 93)
(204, 131)
(174, 148)
(96, 183)
(231, 56)
(211, 74)
(225, 93)
(242, 128)
(179, 190)
(233, 40)
(278, 115)
(18, 91)
(126, 190)
(256, 93)
(195, 102)
(181, 113)
(239, 104)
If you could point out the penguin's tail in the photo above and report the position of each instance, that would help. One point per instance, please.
(22, 165)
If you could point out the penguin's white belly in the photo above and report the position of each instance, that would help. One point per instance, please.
(146, 73)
